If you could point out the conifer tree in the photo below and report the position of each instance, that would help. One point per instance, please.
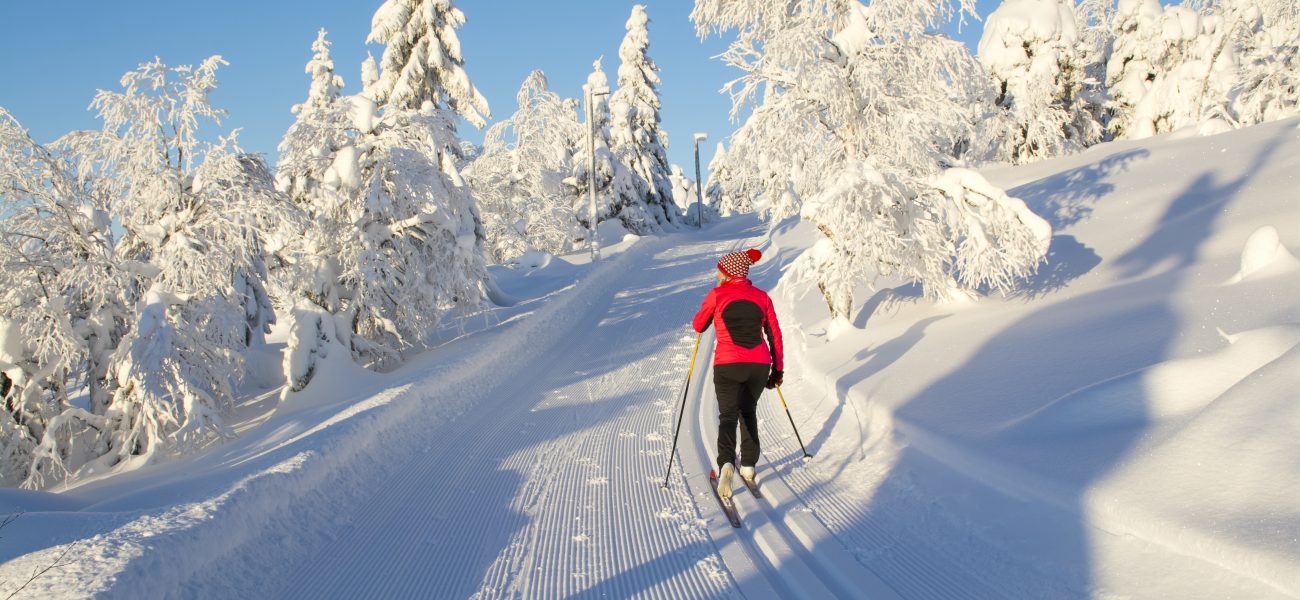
(618, 194)
(638, 141)
(396, 240)
(1034, 52)
(422, 60)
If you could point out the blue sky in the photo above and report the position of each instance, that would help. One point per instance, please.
(55, 55)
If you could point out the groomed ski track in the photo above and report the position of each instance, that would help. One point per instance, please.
(549, 486)
(524, 460)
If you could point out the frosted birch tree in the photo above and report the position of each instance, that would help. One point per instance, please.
(64, 307)
(638, 141)
(862, 106)
(140, 278)
(518, 179)
(1034, 52)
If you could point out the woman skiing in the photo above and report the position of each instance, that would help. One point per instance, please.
(742, 363)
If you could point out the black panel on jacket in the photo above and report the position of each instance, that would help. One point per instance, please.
(744, 321)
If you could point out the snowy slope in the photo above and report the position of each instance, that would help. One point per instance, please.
(1124, 428)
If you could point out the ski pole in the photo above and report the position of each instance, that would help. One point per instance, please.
(680, 413)
(806, 456)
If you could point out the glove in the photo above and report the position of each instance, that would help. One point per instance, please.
(774, 379)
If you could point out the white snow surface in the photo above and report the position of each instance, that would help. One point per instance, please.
(1125, 427)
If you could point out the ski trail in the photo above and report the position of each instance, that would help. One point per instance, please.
(782, 550)
(905, 537)
(548, 486)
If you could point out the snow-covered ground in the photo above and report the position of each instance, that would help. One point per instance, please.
(1125, 427)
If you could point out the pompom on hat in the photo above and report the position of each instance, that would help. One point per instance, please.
(736, 264)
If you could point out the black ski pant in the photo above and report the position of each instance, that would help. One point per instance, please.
(738, 386)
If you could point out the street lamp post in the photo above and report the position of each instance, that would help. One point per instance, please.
(699, 195)
(591, 171)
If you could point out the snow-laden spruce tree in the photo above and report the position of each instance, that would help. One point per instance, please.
(716, 188)
(638, 140)
(396, 240)
(1095, 19)
(319, 126)
(862, 107)
(140, 277)
(518, 179)
(1266, 36)
(618, 190)
(719, 190)
(1034, 52)
(1171, 67)
(693, 207)
(422, 60)
(369, 77)
(326, 86)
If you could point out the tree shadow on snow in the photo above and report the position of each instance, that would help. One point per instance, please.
(973, 421)
(1066, 198)
(1067, 260)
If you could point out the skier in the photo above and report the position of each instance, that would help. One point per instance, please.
(742, 363)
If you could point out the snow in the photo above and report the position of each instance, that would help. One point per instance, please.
(1264, 254)
(1123, 426)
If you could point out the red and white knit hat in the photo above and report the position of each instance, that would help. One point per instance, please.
(736, 264)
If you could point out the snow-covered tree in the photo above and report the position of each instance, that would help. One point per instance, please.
(1169, 68)
(325, 85)
(638, 141)
(518, 179)
(862, 107)
(618, 191)
(688, 201)
(62, 309)
(140, 277)
(1034, 52)
(422, 59)
(369, 76)
(1266, 35)
(318, 119)
(1095, 19)
(396, 240)
(718, 191)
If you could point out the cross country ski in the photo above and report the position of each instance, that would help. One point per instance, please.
(728, 506)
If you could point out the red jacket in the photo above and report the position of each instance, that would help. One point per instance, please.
(742, 313)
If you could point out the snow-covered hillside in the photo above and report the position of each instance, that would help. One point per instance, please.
(1124, 427)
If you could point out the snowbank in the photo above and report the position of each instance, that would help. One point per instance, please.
(1125, 425)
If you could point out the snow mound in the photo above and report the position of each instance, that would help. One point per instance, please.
(532, 260)
(1264, 256)
(1163, 392)
(14, 500)
(1224, 486)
